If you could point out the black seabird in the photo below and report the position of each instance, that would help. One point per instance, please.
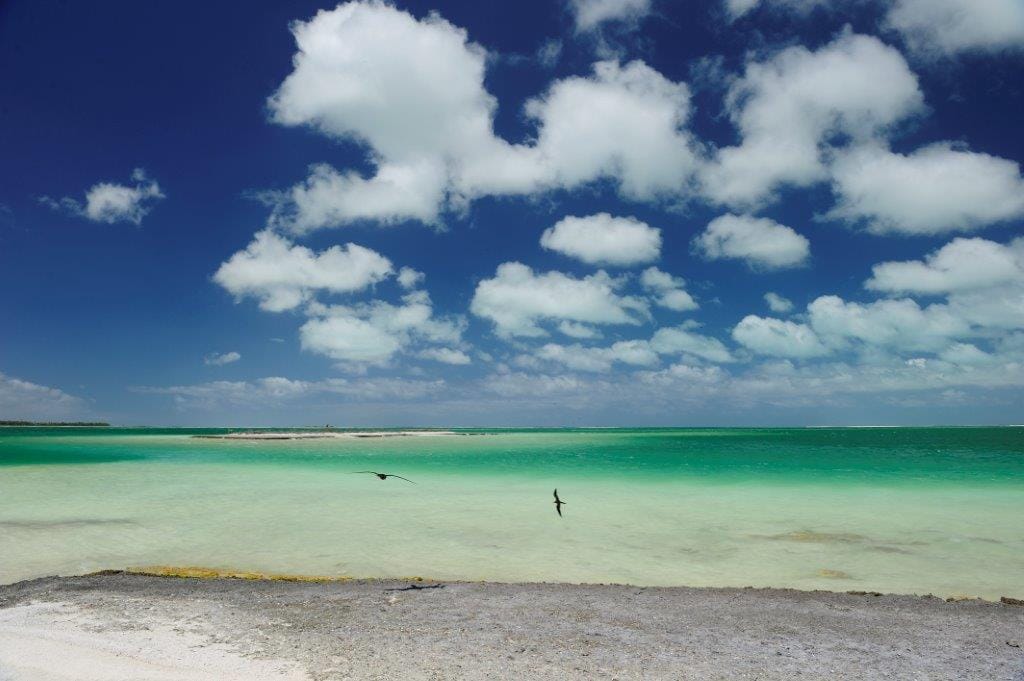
(385, 476)
(558, 504)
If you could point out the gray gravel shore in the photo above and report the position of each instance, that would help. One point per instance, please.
(84, 627)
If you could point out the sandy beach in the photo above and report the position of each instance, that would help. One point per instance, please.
(118, 626)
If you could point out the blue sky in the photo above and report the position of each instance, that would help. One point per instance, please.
(596, 212)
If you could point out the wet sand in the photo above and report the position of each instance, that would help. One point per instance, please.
(117, 626)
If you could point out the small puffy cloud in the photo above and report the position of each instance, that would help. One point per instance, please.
(220, 359)
(25, 401)
(935, 190)
(778, 338)
(413, 92)
(948, 27)
(961, 265)
(371, 334)
(777, 303)
(589, 14)
(760, 242)
(111, 202)
(604, 240)
(678, 340)
(792, 107)
(446, 356)
(283, 275)
(669, 291)
(408, 278)
(516, 299)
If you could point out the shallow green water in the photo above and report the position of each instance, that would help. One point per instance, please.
(919, 510)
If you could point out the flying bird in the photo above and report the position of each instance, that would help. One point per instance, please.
(385, 476)
(558, 504)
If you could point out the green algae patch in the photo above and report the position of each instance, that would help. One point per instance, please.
(197, 572)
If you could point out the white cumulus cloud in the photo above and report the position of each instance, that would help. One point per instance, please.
(517, 300)
(412, 90)
(602, 239)
(669, 291)
(778, 338)
(791, 108)
(283, 275)
(679, 340)
(947, 27)
(371, 334)
(777, 303)
(760, 242)
(936, 189)
(961, 265)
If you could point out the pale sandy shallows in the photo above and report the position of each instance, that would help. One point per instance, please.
(148, 628)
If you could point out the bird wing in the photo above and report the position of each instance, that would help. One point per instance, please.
(400, 478)
(559, 509)
(556, 496)
(374, 472)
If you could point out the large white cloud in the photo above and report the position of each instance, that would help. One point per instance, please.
(760, 242)
(790, 108)
(589, 14)
(778, 338)
(602, 239)
(517, 300)
(899, 324)
(373, 333)
(937, 189)
(413, 92)
(111, 202)
(283, 275)
(961, 265)
(936, 27)
(625, 123)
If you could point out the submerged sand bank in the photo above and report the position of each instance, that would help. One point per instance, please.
(96, 627)
(327, 435)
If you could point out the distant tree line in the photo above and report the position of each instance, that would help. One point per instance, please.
(53, 423)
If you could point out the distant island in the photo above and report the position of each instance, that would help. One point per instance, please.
(53, 423)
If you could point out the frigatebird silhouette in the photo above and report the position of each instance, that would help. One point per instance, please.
(558, 504)
(385, 476)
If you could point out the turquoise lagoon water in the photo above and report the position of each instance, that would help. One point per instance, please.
(914, 510)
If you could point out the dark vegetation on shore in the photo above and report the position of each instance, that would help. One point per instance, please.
(53, 423)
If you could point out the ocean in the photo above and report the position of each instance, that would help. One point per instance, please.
(905, 510)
